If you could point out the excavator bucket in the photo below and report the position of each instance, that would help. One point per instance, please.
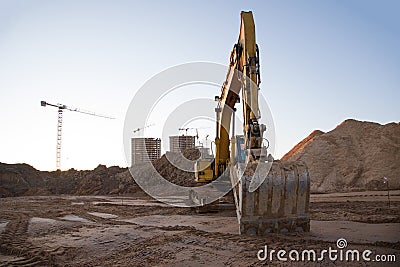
(274, 201)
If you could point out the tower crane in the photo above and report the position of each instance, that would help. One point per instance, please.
(142, 128)
(197, 131)
(187, 129)
(61, 109)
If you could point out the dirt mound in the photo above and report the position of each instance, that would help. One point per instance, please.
(17, 179)
(177, 168)
(100, 181)
(23, 179)
(355, 155)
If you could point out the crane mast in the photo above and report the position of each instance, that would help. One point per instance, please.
(59, 135)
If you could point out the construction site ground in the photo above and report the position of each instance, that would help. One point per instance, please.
(71, 230)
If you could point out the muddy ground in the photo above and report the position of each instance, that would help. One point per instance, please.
(138, 231)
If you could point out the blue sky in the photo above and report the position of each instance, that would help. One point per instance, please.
(321, 63)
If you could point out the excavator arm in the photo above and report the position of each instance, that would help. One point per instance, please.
(243, 77)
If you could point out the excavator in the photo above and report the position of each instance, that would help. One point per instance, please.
(270, 196)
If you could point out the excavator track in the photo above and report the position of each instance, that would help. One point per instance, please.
(280, 203)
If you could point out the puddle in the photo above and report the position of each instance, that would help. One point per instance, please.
(103, 215)
(42, 220)
(204, 223)
(355, 231)
(73, 218)
(3, 225)
(77, 203)
(131, 203)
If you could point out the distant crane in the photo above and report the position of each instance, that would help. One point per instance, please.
(61, 109)
(140, 129)
(197, 131)
(186, 129)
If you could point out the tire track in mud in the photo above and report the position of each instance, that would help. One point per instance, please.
(14, 240)
(246, 247)
(14, 243)
(161, 246)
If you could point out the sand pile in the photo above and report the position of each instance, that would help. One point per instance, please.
(354, 156)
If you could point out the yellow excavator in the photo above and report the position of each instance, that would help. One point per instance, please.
(270, 196)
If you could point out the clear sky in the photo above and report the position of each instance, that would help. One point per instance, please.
(321, 63)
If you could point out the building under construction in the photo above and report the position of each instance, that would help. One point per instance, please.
(179, 143)
(145, 149)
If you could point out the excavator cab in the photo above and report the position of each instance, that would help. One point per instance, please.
(204, 167)
(238, 149)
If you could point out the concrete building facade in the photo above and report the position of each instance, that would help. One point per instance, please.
(181, 142)
(145, 150)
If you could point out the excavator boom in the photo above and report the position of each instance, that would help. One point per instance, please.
(270, 196)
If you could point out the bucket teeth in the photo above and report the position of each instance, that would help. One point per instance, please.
(272, 199)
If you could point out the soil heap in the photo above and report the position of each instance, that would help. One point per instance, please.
(356, 155)
(23, 179)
